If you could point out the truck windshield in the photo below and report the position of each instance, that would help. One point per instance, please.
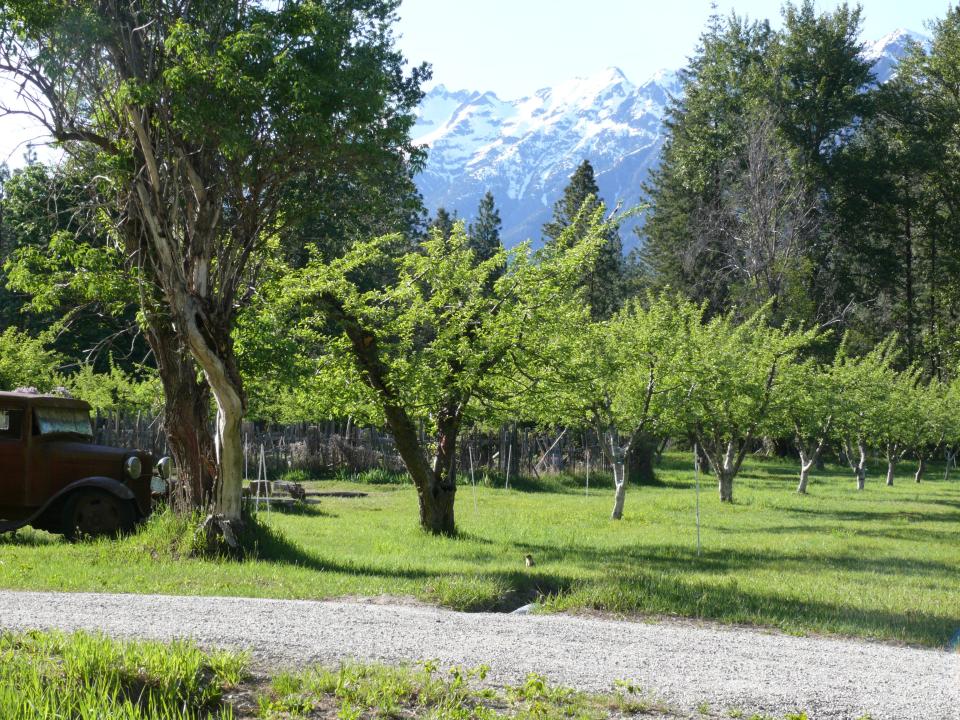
(51, 420)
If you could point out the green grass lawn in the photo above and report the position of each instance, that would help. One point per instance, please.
(884, 563)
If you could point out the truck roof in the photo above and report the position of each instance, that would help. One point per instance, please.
(22, 399)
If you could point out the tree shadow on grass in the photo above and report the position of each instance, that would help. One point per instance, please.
(891, 515)
(296, 509)
(653, 593)
(674, 559)
(648, 581)
(897, 532)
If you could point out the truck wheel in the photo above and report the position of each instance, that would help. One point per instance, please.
(96, 512)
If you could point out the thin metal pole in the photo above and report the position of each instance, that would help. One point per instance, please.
(509, 463)
(473, 481)
(587, 491)
(696, 474)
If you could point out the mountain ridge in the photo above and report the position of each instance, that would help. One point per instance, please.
(524, 150)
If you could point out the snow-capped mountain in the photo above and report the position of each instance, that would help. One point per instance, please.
(886, 52)
(525, 150)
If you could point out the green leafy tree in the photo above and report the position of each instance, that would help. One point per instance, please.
(49, 270)
(686, 245)
(900, 418)
(735, 371)
(821, 76)
(447, 336)
(26, 361)
(862, 390)
(199, 117)
(572, 217)
(623, 376)
(805, 407)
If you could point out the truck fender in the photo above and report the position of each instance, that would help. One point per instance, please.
(100, 483)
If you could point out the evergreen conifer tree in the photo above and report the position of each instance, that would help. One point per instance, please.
(443, 221)
(603, 279)
(483, 236)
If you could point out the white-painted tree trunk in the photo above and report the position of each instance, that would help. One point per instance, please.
(620, 486)
(921, 467)
(894, 453)
(727, 471)
(861, 467)
(806, 464)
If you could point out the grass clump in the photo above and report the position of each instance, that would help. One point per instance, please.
(53, 675)
(424, 690)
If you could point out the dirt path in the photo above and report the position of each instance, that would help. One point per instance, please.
(686, 664)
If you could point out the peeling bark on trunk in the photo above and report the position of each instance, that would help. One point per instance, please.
(211, 347)
(186, 422)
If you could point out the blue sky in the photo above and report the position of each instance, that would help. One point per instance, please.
(514, 47)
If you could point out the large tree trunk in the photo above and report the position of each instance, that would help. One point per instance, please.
(208, 338)
(436, 506)
(921, 467)
(186, 421)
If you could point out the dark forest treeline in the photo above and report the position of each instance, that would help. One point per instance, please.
(790, 174)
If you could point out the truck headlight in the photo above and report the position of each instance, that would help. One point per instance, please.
(133, 467)
(165, 467)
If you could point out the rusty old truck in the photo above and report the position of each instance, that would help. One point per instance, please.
(54, 477)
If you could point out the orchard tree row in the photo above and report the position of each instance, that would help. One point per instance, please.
(447, 339)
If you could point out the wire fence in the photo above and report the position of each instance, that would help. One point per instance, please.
(341, 446)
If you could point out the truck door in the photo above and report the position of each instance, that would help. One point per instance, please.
(13, 468)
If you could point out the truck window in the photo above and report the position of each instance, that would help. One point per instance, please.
(11, 424)
(53, 420)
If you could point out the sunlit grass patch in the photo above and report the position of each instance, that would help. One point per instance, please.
(53, 675)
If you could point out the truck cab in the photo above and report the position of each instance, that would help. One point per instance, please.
(54, 477)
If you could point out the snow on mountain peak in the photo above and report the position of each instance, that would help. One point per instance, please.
(893, 43)
(524, 150)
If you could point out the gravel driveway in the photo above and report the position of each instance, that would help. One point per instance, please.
(684, 663)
